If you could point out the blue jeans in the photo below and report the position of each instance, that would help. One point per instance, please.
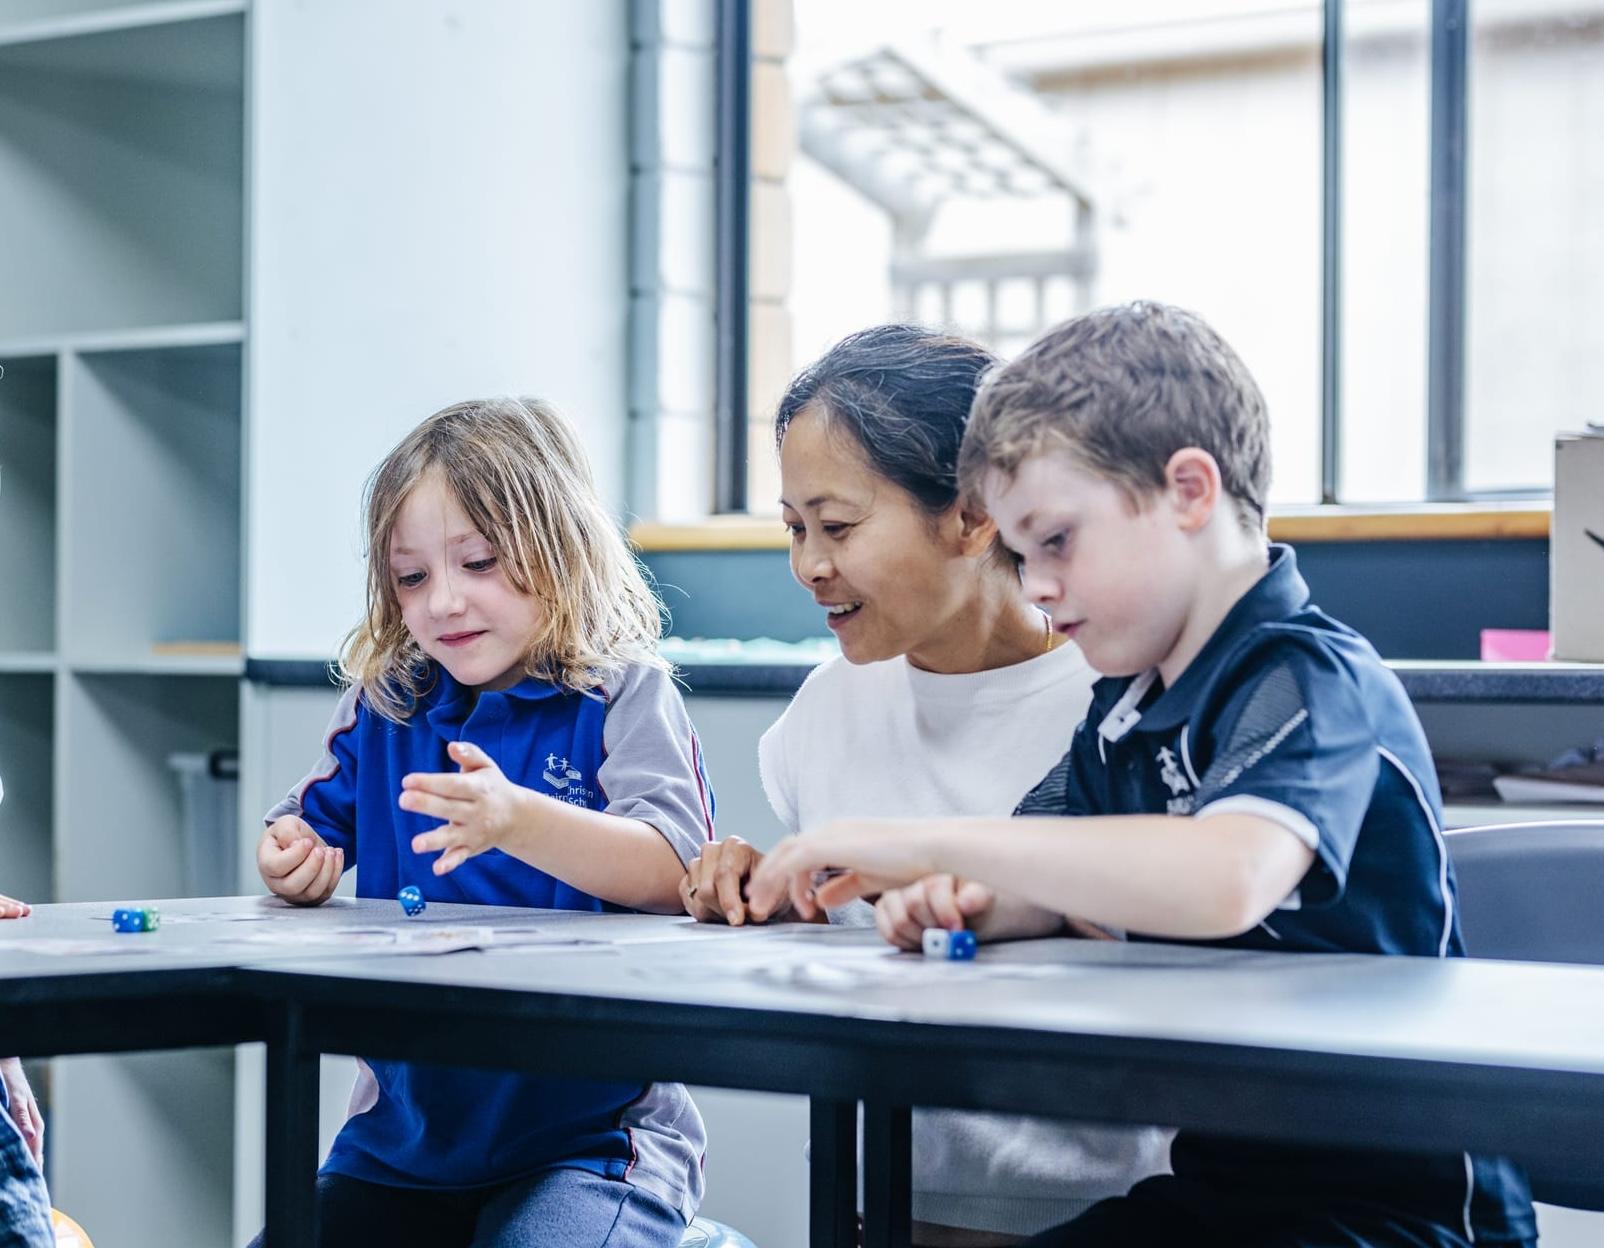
(24, 1207)
(553, 1209)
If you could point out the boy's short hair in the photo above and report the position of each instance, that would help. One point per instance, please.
(1121, 390)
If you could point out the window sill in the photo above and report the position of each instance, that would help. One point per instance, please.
(1424, 522)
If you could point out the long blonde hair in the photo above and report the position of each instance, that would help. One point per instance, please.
(516, 468)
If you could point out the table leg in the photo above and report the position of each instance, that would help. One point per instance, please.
(292, 1106)
(887, 1175)
(833, 1174)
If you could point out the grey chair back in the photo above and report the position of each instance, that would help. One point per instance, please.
(1534, 892)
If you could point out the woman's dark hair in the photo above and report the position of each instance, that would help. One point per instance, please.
(903, 393)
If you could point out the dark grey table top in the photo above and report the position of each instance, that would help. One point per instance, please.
(1496, 1013)
(1367, 1051)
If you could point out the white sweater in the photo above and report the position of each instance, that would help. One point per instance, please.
(889, 739)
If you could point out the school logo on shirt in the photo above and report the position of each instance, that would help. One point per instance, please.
(558, 773)
(567, 780)
(1175, 780)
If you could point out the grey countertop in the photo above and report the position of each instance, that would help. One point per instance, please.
(768, 675)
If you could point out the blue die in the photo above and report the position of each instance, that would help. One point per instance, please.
(135, 919)
(952, 946)
(411, 899)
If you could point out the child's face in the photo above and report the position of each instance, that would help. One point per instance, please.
(861, 542)
(1118, 579)
(455, 599)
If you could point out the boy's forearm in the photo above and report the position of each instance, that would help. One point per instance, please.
(1012, 918)
(624, 861)
(1157, 874)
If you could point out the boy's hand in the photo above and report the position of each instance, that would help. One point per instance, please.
(297, 864)
(24, 1109)
(871, 855)
(480, 806)
(713, 889)
(10, 908)
(944, 901)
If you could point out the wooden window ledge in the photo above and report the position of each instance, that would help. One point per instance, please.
(1426, 522)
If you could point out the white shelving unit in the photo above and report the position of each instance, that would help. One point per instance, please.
(122, 155)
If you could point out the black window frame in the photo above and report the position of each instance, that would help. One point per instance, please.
(1446, 321)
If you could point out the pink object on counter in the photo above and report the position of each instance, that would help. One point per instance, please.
(1515, 645)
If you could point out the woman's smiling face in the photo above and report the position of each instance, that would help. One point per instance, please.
(889, 575)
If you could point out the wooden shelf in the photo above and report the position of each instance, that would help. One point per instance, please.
(1426, 522)
(162, 665)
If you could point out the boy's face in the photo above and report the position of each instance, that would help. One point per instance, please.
(455, 599)
(1117, 579)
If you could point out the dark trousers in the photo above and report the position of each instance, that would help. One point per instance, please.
(1167, 1210)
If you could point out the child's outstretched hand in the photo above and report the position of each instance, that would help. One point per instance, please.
(480, 807)
(24, 1108)
(853, 858)
(10, 908)
(297, 864)
(944, 901)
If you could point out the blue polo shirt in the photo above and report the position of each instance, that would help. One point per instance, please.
(1289, 715)
(628, 749)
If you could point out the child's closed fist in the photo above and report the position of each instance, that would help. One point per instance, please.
(480, 808)
(297, 864)
(936, 901)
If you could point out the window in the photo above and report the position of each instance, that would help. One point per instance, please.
(992, 169)
(1535, 247)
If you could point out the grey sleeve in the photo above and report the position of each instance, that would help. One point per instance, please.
(326, 796)
(653, 770)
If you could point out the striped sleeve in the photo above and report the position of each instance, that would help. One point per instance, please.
(654, 770)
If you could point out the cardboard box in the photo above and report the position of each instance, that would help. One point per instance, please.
(1576, 547)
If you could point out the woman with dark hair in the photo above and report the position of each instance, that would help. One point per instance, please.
(952, 696)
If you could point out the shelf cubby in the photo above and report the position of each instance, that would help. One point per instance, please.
(121, 169)
(151, 1120)
(152, 523)
(119, 834)
(28, 504)
(27, 719)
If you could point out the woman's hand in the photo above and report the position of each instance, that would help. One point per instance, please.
(853, 858)
(24, 1108)
(713, 889)
(482, 809)
(11, 908)
(297, 864)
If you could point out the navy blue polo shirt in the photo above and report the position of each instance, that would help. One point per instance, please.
(1289, 715)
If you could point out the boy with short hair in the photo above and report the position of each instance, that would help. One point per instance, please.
(1277, 787)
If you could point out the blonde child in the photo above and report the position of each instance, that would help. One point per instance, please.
(505, 710)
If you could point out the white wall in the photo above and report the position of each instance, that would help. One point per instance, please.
(437, 210)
